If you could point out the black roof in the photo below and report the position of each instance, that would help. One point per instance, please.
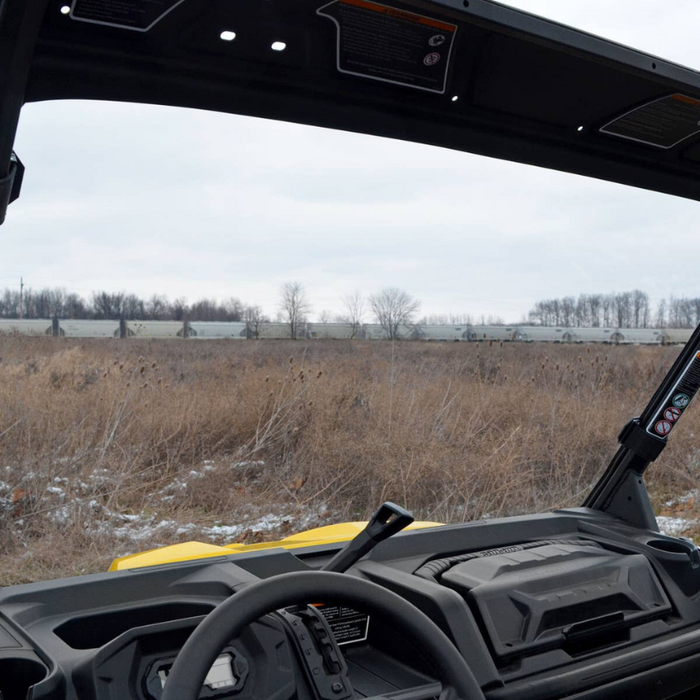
(526, 89)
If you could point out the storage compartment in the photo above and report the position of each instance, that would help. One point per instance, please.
(92, 631)
(573, 597)
(17, 676)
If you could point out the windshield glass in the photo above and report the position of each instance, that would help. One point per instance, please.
(224, 329)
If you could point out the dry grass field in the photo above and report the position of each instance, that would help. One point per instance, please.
(111, 447)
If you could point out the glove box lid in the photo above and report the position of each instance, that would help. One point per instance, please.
(556, 595)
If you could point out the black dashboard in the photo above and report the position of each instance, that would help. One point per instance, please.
(569, 604)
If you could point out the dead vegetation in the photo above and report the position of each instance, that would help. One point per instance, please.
(109, 447)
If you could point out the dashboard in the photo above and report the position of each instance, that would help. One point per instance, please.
(567, 604)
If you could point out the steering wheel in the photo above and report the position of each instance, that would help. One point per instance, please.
(230, 618)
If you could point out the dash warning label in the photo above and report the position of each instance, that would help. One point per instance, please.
(663, 123)
(347, 624)
(139, 15)
(384, 43)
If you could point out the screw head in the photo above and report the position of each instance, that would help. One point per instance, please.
(337, 687)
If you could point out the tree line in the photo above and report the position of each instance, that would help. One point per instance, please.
(392, 308)
(57, 303)
(617, 310)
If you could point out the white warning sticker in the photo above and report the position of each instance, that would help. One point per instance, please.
(137, 15)
(663, 123)
(395, 46)
(347, 624)
(678, 399)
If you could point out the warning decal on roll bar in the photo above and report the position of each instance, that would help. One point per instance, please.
(139, 15)
(677, 400)
(663, 123)
(384, 43)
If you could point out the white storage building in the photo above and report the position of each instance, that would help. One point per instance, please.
(445, 333)
(78, 328)
(155, 329)
(214, 329)
(675, 336)
(333, 330)
(11, 326)
(504, 333)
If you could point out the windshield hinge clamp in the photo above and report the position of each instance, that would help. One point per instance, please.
(636, 439)
(10, 185)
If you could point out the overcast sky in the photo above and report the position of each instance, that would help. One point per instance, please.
(184, 203)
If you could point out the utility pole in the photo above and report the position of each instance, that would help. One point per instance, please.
(21, 297)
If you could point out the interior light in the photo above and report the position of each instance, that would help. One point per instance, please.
(278, 46)
(227, 35)
(580, 128)
(455, 98)
(65, 10)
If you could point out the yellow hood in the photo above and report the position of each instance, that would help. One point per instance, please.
(342, 532)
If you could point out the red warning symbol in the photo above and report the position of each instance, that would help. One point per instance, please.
(672, 414)
(663, 427)
(431, 59)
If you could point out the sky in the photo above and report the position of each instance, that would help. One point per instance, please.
(149, 200)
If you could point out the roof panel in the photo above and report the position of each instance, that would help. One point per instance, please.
(525, 85)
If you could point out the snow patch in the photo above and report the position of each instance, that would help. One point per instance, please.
(683, 499)
(674, 526)
(61, 515)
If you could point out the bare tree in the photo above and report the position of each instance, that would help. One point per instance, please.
(75, 306)
(661, 314)
(180, 309)
(294, 307)
(608, 307)
(254, 319)
(568, 311)
(446, 320)
(640, 309)
(52, 303)
(625, 310)
(234, 309)
(325, 316)
(157, 307)
(354, 305)
(393, 308)
(135, 308)
(108, 305)
(595, 305)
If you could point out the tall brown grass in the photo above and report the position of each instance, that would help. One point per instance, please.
(97, 438)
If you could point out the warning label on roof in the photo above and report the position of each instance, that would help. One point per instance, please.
(663, 123)
(139, 15)
(384, 43)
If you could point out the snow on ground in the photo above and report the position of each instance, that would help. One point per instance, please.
(679, 516)
(686, 499)
(85, 503)
(675, 526)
